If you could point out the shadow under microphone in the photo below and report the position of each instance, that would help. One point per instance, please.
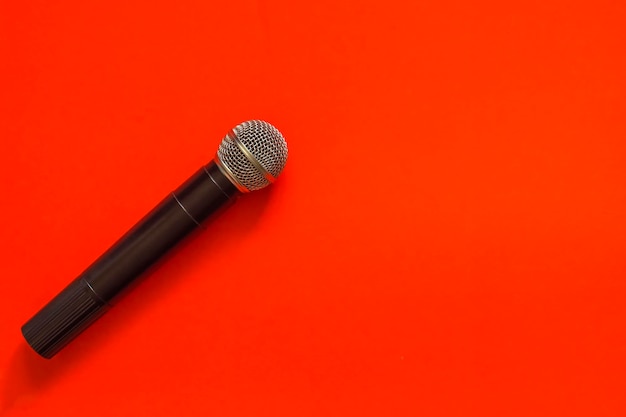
(249, 158)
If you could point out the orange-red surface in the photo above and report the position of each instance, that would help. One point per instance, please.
(448, 238)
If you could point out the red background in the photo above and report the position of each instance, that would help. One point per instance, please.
(447, 238)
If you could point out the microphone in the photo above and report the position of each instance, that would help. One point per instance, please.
(249, 158)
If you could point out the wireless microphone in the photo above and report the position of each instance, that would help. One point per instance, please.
(249, 158)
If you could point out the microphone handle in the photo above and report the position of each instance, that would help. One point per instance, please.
(90, 295)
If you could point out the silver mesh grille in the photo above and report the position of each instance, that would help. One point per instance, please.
(264, 143)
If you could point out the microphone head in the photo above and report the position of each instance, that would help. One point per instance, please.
(252, 155)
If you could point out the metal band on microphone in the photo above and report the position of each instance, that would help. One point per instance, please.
(229, 174)
(268, 176)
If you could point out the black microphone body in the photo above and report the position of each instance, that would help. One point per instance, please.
(91, 294)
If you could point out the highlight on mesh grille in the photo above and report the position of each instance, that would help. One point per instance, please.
(264, 142)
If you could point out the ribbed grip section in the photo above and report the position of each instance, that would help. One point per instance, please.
(63, 318)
